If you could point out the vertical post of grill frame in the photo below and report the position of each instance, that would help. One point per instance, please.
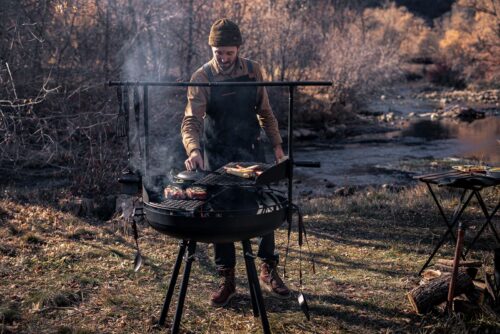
(146, 128)
(290, 152)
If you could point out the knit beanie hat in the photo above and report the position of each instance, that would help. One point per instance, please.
(225, 32)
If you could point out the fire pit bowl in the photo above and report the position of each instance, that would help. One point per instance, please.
(231, 214)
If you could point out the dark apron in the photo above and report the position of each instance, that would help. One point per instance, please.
(231, 129)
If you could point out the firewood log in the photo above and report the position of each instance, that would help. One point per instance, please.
(430, 274)
(471, 271)
(424, 297)
(478, 294)
(449, 263)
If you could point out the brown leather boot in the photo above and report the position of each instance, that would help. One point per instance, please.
(271, 281)
(226, 290)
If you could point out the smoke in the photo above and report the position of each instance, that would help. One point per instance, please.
(150, 55)
(168, 43)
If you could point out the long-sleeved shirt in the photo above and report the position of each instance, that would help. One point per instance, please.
(198, 100)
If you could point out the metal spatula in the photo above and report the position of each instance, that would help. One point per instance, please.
(138, 257)
(303, 305)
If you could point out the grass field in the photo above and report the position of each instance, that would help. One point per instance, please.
(64, 274)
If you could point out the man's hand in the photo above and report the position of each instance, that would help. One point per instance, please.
(194, 161)
(278, 153)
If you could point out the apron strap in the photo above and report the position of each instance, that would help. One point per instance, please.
(208, 72)
(250, 68)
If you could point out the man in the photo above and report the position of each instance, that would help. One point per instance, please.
(230, 119)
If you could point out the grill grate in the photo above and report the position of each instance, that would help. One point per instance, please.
(180, 204)
(224, 180)
(267, 202)
(220, 182)
(221, 178)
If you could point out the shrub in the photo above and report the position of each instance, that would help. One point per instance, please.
(470, 41)
(442, 74)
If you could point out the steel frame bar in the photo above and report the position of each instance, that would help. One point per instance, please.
(253, 298)
(173, 282)
(456, 216)
(212, 84)
(184, 285)
(290, 155)
(253, 281)
(441, 211)
(489, 217)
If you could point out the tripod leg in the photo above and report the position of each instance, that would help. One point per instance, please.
(248, 263)
(254, 281)
(184, 285)
(173, 281)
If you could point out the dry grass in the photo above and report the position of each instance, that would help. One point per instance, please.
(63, 274)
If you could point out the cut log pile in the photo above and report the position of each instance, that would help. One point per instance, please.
(476, 291)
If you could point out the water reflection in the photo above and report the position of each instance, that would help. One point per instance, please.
(478, 139)
(430, 130)
(409, 151)
(483, 139)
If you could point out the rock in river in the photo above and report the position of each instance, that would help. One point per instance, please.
(462, 113)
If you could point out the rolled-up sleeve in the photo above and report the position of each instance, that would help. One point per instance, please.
(265, 115)
(192, 123)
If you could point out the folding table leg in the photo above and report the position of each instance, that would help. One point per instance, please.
(488, 217)
(458, 212)
(440, 208)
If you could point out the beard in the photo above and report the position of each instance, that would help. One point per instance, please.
(227, 67)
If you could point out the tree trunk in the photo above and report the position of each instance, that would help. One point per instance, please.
(106, 44)
(189, 55)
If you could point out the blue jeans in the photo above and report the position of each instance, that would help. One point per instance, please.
(225, 256)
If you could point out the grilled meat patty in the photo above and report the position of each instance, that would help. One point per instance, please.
(174, 192)
(199, 193)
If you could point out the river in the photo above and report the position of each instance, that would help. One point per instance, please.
(417, 145)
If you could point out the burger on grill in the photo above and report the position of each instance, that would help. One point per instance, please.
(174, 192)
(199, 193)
